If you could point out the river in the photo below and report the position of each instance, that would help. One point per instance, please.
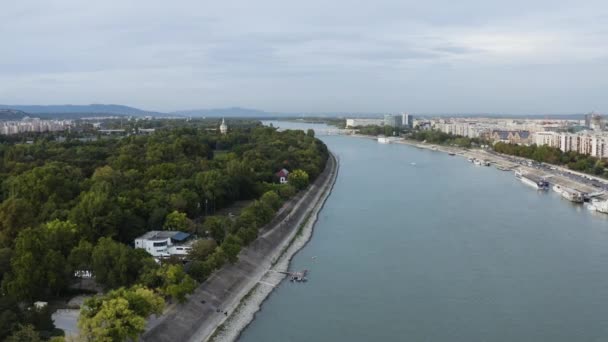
(416, 245)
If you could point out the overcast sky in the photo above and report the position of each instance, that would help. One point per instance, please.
(432, 56)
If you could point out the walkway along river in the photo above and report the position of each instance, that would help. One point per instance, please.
(198, 318)
(441, 251)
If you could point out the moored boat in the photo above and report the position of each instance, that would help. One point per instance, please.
(569, 194)
(536, 182)
(384, 140)
(599, 206)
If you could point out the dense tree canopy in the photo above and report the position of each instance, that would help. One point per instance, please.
(119, 315)
(72, 206)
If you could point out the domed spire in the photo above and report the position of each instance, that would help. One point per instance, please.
(223, 127)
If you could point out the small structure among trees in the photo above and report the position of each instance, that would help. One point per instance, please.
(282, 176)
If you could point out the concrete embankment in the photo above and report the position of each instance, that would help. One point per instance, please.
(215, 300)
(508, 163)
(252, 302)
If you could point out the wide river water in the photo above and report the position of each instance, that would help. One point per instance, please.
(416, 245)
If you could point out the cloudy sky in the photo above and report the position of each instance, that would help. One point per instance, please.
(432, 56)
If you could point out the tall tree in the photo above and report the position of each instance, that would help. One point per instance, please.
(118, 316)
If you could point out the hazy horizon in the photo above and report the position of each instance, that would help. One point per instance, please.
(516, 58)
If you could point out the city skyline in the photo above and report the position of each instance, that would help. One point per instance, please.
(545, 57)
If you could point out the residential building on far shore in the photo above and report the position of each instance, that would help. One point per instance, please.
(590, 139)
(407, 120)
(585, 142)
(28, 124)
(513, 137)
(392, 120)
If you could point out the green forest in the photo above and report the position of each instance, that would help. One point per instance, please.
(441, 138)
(389, 131)
(72, 206)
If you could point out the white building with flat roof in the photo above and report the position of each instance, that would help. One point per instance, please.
(165, 243)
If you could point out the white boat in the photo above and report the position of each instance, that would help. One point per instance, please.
(471, 159)
(599, 206)
(569, 194)
(477, 162)
(537, 183)
(486, 163)
(384, 140)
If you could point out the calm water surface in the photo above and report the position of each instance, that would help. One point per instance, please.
(441, 251)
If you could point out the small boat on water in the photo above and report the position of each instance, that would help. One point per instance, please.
(599, 206)
(471, 159)
(486, 163)
(384, 140)
(569, 194)
(451, 154)
(477, 162)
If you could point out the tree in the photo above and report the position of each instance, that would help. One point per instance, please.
(115, 264)
(61, 235)
(310, 133)
(231, 247)
(286, 191)
(177, 221)
(5, 261)
(28, 277)
(247, 234)
(201, 249)
(80, 258)
(200, 270)
(9, 316)
(96, 214)
(272, 199)
(15, 215)
(119, 315)
(176, 283)
(25, 333)
(212, 184)
(299, 179)
(57, 272)
(47, 188)
(113, 322)
(217, 227)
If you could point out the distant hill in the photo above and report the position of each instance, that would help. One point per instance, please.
(12, 114)
(78, 111)
(224, 112)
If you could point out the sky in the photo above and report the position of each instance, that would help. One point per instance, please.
(428, 57)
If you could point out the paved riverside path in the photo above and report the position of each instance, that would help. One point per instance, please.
(195, 320)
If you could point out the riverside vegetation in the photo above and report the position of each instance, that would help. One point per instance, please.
(546, 154)
(72, 206)
(551, 155)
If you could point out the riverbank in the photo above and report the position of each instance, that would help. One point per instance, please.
(252, 302)
(558, 175)
(217, 300)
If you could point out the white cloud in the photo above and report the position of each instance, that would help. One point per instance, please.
(311, 56)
